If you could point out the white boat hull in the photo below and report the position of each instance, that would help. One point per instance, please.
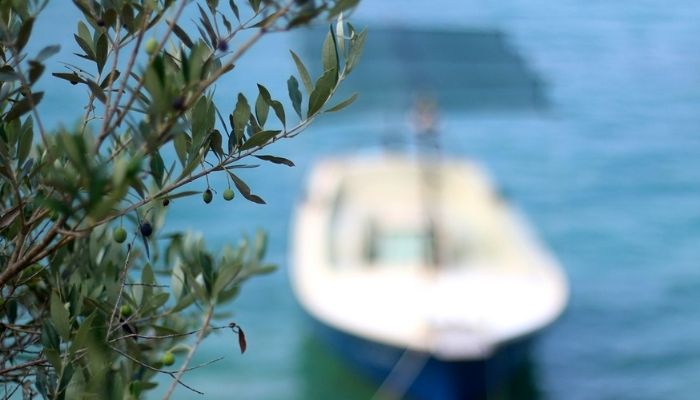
(494, 287)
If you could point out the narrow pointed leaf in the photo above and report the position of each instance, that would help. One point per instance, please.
(255, 5)
(25, 144)
(23, 106)
(241, 114)
(356, 47)
(266, 22)
(259, 139)
(182, 194)
(85, 46)
(70, 77)
(279, 111)
(97, 91)
(101, 52)
(261, 109)
(234, 8)
(343, 103)
(182, 35)
(35, 71)
(204, 19)
(303, 73)
(329, 54)
(276, 160)
(114, 75)
(322, 91)
(295, 94)
(59, 316)
(241, 340)
(24, 33)
(243, 188)
(47, 52)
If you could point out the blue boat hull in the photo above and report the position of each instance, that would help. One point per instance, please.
(420, 376)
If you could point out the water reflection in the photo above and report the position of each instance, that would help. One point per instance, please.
(329, 376)
(326, 376)
(465, 70)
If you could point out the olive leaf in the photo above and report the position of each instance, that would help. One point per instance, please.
(276, 160)
(243, 188)
(356, 46)
(240, 117)
(101, 52)
(295, 94)
(259, 139)
(24, 33)
(303, 72)
(262, 106)
(47, 52)
(23, 106)
(329, 55)
(322, 91)
(343, 103)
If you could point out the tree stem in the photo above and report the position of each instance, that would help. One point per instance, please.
(188, 359)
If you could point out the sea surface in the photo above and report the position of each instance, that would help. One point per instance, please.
(604, 161)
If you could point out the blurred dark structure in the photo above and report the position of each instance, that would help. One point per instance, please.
(467, 70)
(345, 383)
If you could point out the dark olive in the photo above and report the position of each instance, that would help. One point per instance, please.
(146, 229)
(179, 103)
(166, 202)
(207, 196)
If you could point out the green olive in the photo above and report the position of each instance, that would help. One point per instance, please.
(207, 196)
(168, 358)
(125, 311)
(228, 194)
(119, 235)
(151, 46)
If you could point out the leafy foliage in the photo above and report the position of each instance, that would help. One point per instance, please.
(91, 306)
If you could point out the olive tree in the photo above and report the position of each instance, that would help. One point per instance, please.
(92, 306)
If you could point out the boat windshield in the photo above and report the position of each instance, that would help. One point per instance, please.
(380, 220)
(393, 248)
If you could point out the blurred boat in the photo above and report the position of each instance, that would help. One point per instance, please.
(419, 272)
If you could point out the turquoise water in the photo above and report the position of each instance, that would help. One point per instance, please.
(608, 172)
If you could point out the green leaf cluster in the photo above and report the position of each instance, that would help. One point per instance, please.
(89, 313)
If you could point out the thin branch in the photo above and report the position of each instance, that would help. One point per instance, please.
(225, 67)
(169, 336)
(109, 111)
(27, 364)
(153, 285)
(204, 364)
(28, 258)
(122, 279)
(28, 95)
(106, 128)
(116, 46)
(200, 337)
(176, 379)
(20, 328)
